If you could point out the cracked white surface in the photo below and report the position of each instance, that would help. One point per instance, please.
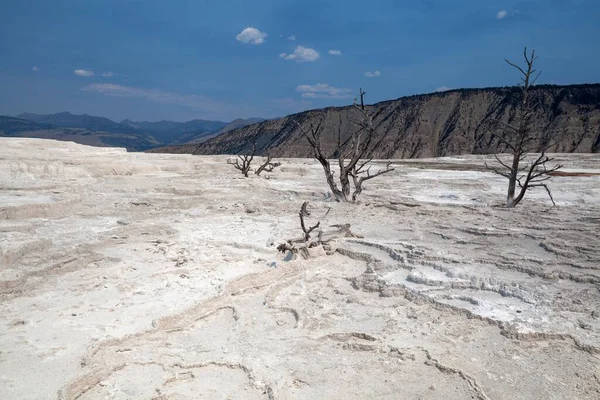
(156, 276)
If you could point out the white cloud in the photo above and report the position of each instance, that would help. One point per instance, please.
(292, 38)
(501, 14)
(324, 91)
(83, 72)
(35, 69)
(443, 89)
(108, 74)
(335, 52)
(251, 35)
(302, 54)
(373, 74)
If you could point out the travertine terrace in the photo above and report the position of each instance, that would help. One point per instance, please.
(156, 276)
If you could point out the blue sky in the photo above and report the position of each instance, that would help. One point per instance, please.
(223, 59)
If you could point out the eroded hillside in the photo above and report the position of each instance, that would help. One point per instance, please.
(432, 125)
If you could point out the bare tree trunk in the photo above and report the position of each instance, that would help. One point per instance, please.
(313, 135)
(344, 180)
(338, 194)
(520, 140)
(512, 182)
(363, 141)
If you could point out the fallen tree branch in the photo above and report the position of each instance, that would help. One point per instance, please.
(302, 244)
(305, 213)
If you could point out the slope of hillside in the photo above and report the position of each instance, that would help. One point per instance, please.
(430, 125)
(176, 132)
(238, 123)
(84, 121)
(11, 126)
(192, 140)
(161, 133)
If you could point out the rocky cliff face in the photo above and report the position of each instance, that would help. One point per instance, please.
(431, 125)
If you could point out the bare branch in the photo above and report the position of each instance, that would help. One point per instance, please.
(506, 125)
(359, 169)
(358, 181)
(497, 171)
(245, 160)
(313, 136)
(516, 66)
(501, 162)
(547, 191)
(499, 137)
(266, 166)
(305, 213)
(533, 83)
(378, 173)
(538, 173)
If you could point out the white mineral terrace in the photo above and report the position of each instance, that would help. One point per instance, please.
(155, 276)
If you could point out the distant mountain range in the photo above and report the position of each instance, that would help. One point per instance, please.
(100, 131)
(84, 121)
(11, 126)
(17, 127)
(428, 125)
(175, 132)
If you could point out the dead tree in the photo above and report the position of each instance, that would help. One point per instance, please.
(267, 166)
(350, 153)
(520, 139)
(243, 163)
(303, 244)
(246, 160)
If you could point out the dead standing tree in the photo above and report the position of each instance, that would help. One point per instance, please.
(350, 153)
(268, 165)
(521, 140)
(246, 161)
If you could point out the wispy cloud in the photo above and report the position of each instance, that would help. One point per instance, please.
(372, 74)
(501, 14)
(443, 89)
(199, 106)
(108, 74)
(252, 36)
(35, 69)
(83, 72)
(292, 38)
(335, 52)
(324, 91)
(197, 102)
(302, 54)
